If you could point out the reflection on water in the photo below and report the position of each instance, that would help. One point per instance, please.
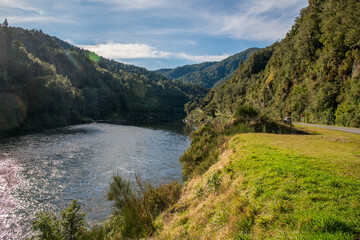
(48, 170)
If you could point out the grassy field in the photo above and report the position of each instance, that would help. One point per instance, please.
(268, 186)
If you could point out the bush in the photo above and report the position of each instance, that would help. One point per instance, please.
(72, 223)
(136, 208)
(163, 196)
(131, 207)
(71, 226)
(47, 225)
(246, 112)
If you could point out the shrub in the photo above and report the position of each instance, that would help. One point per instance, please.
(246, 112)
(72, 223)
(71, 226)
(136, 208)
(47, 225)
(163, 196)
(131, 206)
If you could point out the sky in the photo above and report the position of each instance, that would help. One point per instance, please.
(158, 33)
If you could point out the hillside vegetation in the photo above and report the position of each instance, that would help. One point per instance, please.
(46, 82)
(313, 73)
(242, 181)
(208, 74)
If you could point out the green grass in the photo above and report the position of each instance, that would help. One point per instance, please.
(278, 187)
(298, 193)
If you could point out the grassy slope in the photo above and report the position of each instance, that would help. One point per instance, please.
(273, 187)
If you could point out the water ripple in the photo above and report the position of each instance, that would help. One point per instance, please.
(46, 171)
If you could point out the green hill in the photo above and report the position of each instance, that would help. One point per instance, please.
(46, 83)
(208, 74)
(313, 73)
(179, 72)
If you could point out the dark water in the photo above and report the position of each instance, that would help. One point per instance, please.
(46, 171)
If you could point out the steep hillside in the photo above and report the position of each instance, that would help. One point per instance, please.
(313, 73)
(46, 82)
(208, 74)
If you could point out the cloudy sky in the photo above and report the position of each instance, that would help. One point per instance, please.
(158, 33)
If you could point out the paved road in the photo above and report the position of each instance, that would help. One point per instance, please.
(344, 129)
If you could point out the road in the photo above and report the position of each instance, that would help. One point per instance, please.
(343, 129)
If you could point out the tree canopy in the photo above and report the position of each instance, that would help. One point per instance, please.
(314, 73)
(46, 83)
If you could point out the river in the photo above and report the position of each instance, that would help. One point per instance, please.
(47, 170)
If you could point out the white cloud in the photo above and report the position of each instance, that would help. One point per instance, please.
(269, 6)
(260, 20)
(69, 41)
(38, 19)
(137, 50)
(124, 51)
(135, 4)
(17, 4)
(247, 27)
(201, 58)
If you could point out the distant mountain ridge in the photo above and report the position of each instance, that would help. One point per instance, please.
(208, 74)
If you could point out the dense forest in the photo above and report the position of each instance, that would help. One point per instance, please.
(312, 75)
(46, 82)
(208, 74)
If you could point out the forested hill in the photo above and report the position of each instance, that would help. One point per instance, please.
(208, 74)
(313, 73)
(45, 82)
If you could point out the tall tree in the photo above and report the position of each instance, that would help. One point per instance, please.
(5, 23)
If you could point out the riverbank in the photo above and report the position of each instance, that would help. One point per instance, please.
(245, 180)
(268, 186)
(132, 120)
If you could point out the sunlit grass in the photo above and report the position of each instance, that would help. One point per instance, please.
(275, 187)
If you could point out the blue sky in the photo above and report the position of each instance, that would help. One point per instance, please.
(158, 33)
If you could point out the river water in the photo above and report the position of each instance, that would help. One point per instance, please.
(46, 171)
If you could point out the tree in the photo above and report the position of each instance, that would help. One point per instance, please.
(5, 23)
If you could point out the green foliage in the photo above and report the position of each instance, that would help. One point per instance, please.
(209, 139)
(130, 208)
(48, 225)
(314, 70)
(343, 114)
(202, 152)
(47, 83)
(72, 223)
(246, 112)
(71, 226)
(135, 209)
(134, 212)
(163, 196)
